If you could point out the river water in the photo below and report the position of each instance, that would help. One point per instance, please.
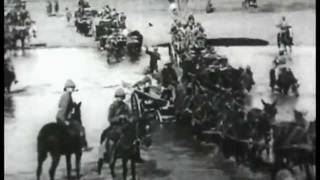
(43, 72)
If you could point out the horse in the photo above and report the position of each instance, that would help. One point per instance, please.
(57, 139)
(260, 121)
(126, 146)
(247, 80)
(20, 33)
(9, 78)
(286, 81)
(285, 39)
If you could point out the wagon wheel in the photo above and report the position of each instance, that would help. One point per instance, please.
(135, 106)
(158, 120)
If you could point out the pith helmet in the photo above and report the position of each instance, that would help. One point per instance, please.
(69, 84)
(120, 93)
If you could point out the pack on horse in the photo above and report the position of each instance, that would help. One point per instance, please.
(125, 142)
(285, 39)
(261, 120)
(58, 139)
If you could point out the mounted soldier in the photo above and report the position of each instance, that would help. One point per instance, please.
(119, 116)
(65, 107)
(284, 36)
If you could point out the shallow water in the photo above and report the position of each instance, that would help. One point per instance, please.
(43, 72)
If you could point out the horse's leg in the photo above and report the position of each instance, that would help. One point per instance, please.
(78, 164)
(111, 166)
(308, 172)
(279, 40)
(68, 162)
(133, 169)
(124, 168)
(42, 155)
(22, 39)
(54, 164)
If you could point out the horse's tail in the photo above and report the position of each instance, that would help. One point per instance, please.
(42, 145)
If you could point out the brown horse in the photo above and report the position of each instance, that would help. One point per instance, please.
(58, 139)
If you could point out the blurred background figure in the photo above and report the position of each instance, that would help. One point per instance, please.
(56, 6)
(68, 14)
(173, 8)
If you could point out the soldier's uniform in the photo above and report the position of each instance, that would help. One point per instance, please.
(65, 103)
(154, 57)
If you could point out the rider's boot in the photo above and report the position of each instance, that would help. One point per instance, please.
(138, 158)
(85, 147)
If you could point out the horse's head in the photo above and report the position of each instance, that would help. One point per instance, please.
(270, 109)
(76, 114)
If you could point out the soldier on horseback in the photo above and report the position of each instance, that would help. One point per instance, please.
(284, 36)
(119, 115)
(65, 107)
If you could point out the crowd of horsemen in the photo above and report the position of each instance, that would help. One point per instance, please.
(18, 25)
(209, 95)
(109, 28)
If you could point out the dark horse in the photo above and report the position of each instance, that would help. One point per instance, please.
(287, 81)
(58, 139)
(9, 78)
(126, 145)
(260, 121)
(285, 39)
